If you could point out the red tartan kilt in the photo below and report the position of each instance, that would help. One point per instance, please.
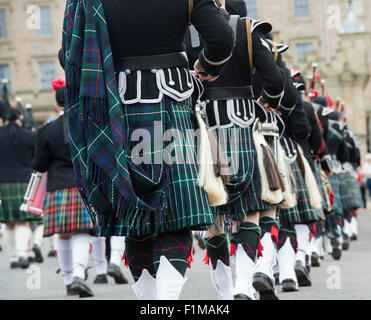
(65, 212)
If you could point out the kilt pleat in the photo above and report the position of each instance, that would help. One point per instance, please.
(187, 204)
(65, 212)
(245, 170)
(335, 185)
(302, 213)
(350, 192)
(11, 196)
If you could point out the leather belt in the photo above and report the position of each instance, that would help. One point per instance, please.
(159, 61)
(228, 93)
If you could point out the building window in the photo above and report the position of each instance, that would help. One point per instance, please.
(2, 25)
(252, 9)
(45, 22)
(302, 48)
(47, 74)
(301, 9)
(5, 74)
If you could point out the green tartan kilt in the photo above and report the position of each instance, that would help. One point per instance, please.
(240, 149)
(335, 185)
(350, 192)
(187, 204)
(11, 196)
(65, 212)
(302, 213)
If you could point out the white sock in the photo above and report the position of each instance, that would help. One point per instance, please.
(22, 238)
(302, 232)
(80, 254)
(9, 238)
(51, 241)
(117, 250)
(354, 225)
(98, 254)
(38, 235)
(64, 254)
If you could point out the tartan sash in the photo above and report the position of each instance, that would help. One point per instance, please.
(108, 180)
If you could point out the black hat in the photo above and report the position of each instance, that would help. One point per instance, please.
(334, 116)
(236, 7)
(320, 100)
(58, 86)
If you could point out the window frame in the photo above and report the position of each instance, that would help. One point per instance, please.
(43, 79)
(48, 32)
(299, 5)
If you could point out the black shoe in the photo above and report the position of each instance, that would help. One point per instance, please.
(316, 260)
(289, 285)
(1, 248)
(115, 272)
(101, 279)
(263, 284)
(241, 297)
(200, 242)
(70, 291)
(52, 254)
(14, 265)
(23, 263)
(307, 262)
(336, 249)
(277, 279)
(346, 242)
(353, 238)
(79, 285)
(31, 259)
(302, 275)
(38, 256)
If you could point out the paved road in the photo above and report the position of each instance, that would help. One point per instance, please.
(353, 271)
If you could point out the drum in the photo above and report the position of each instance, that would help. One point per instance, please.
(35, 194)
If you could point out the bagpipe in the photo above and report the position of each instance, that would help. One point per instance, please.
(35, 194)
(313, 80)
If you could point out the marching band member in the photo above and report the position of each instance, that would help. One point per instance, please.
(145, 84)
(64, 211)
(15, 157)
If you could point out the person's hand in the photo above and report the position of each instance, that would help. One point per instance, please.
(266, 105)
(329, 173)
(201, 74)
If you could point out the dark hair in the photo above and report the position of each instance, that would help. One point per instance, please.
(59, 97)
(236, 7)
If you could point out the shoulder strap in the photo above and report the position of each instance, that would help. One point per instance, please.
(275, 50)
(190, 11)
(249, 44)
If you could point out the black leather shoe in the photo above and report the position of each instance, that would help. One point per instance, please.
(31, 259)
(346, 242)
(80, 286)
(263, 284)
(354, 237)
(289, 285)
(336, 249)
(70, 291)
(277, 279)
(302, 275)
(101, 279)
(51, 254)
(14, 265)
(38, 256)
(23, 263)
(115, 272)
(316, 260)
(241, 297)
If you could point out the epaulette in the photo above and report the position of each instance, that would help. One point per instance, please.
(263, 26)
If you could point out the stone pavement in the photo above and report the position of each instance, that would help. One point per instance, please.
(349, 278)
